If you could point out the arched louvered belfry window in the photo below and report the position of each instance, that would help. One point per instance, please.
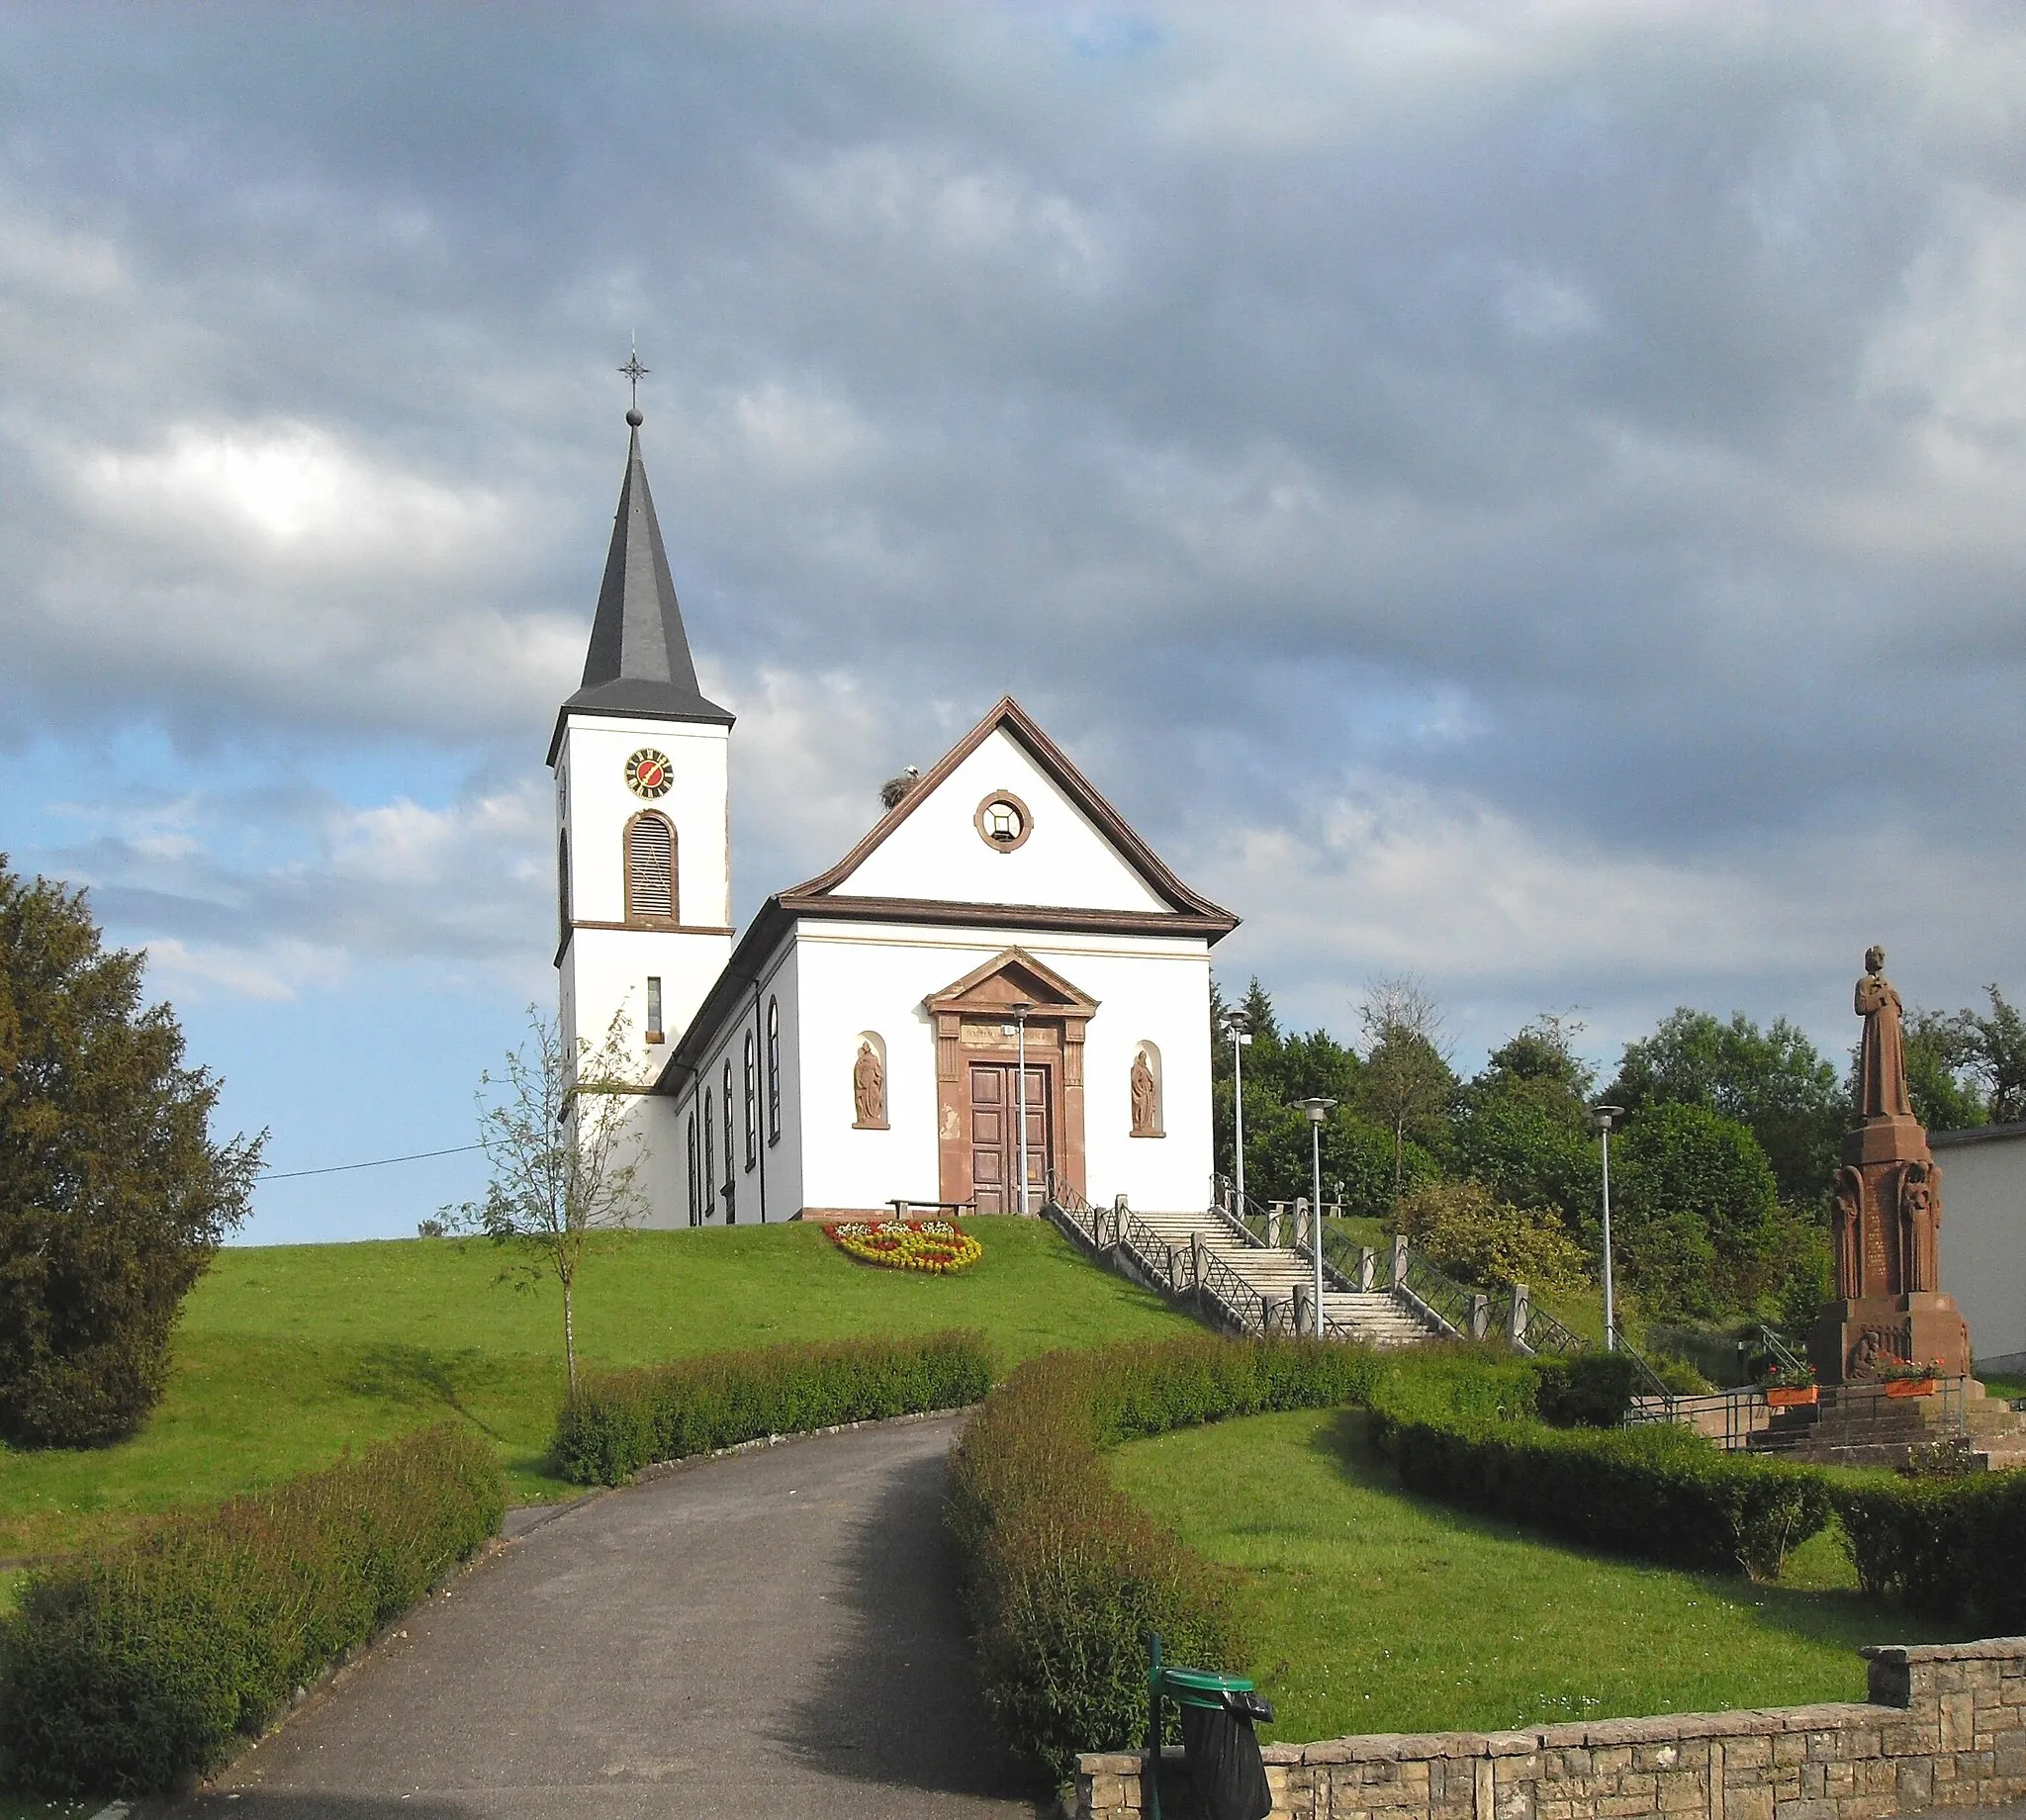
(650, 869)
(563, 882)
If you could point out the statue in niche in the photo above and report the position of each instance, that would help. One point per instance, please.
(868, 1089)
(1847, 1199)
(1146, 1098)
(1882, 1055)
(1921, 1221)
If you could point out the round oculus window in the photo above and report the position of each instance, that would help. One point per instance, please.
(1003, 821)
(648, 774)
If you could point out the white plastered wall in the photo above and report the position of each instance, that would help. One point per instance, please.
(854, 977)
(1983, 1240)
(938, 853)
(767, 1191)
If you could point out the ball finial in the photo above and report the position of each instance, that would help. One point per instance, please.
(634, 417)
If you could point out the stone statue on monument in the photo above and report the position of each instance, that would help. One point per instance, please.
(1881, 1054)
(1885, 1217)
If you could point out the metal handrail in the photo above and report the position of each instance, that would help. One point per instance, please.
(1783, 1354)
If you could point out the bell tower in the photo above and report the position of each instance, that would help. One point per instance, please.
(643, 862)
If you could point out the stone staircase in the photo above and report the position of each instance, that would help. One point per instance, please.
(1255, 1288)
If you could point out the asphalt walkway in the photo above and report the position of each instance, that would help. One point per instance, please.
(773, 1633)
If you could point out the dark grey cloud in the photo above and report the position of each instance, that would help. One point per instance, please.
(1522, 457)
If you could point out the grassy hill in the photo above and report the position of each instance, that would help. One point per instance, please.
(287, 1355)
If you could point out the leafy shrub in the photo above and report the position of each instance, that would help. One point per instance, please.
(1660, 1493)
(1949, 1547)
(1466, 1230)
(1063, 1573)
(621, 1421)
(130, 1669)
(1697, 1210)
(1592, 1389)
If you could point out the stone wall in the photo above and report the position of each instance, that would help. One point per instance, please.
(1945, 1727)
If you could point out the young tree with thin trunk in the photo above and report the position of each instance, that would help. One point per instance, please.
(1406, 1078)
(564, 1155)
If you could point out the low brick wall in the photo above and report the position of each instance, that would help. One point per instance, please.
(1945, 1727)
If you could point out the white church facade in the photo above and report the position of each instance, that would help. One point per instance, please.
(999, 951)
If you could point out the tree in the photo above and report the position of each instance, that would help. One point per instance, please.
(1694, 1203)
(1772, 1081)
(1406, 1078)
(1523, 1127)
(564, 1156)
(1998, 1056)
(1941, 1070)
(113, 1196)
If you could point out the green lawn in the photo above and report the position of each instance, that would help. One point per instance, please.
(287, 1355)
(25, 1807)
(1381, 1611)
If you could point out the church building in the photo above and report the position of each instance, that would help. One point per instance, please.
(1000, 986)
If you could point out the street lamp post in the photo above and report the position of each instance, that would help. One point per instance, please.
(1605, 1116)
(1238, 1025)
(1020, 1007)
(1318, 1110)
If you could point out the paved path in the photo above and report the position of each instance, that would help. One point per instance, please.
(774, 1634)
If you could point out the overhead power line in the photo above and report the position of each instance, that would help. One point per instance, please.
(379, 1162)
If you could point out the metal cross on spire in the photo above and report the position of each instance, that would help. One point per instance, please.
(634, 373)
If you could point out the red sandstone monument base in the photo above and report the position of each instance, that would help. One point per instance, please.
(1853, 1337)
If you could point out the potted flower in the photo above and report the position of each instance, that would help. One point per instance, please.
(1789, 1387)
(1909, 1377)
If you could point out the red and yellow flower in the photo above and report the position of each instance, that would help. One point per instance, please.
(935, 1246)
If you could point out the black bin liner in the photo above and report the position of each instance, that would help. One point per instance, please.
(1223, 1755)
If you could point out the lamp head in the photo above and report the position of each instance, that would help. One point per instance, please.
(1236, 1023)
(1020, 1007)
(1607, 1116)
(1317, 1108)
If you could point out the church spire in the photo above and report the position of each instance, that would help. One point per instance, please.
(639, 662)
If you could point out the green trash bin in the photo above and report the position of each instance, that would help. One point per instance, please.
(1219, 1747)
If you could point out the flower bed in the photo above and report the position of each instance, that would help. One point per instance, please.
(933, 1245)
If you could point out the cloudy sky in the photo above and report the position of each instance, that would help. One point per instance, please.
(1534, 496)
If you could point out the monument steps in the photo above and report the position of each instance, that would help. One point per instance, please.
(1863, 1426)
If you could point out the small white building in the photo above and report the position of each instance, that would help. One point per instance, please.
(1984, 1237)
(864, 1042)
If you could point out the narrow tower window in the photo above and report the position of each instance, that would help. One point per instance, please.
(650, 869)
(563, 881)
(653, 1007)
(695, 1180)
(774, 1070)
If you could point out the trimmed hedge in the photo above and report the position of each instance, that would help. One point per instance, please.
(134, 1669)
(1951, 1548)
(622, 1421)
(1660, 1493)
(1063, 1571)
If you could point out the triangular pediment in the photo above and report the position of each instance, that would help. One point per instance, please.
(1004, 818)
(1007, 980)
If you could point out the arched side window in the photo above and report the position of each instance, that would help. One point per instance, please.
(710, 1158)
(695, 1180)
(731, 1161)
(752, 1107)
(650, 869)
(563, 884)
(774, 1070)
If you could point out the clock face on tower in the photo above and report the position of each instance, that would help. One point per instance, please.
(648, 775)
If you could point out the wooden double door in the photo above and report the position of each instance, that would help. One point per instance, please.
(994, 1116)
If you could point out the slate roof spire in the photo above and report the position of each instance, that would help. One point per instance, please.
(639, 663)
